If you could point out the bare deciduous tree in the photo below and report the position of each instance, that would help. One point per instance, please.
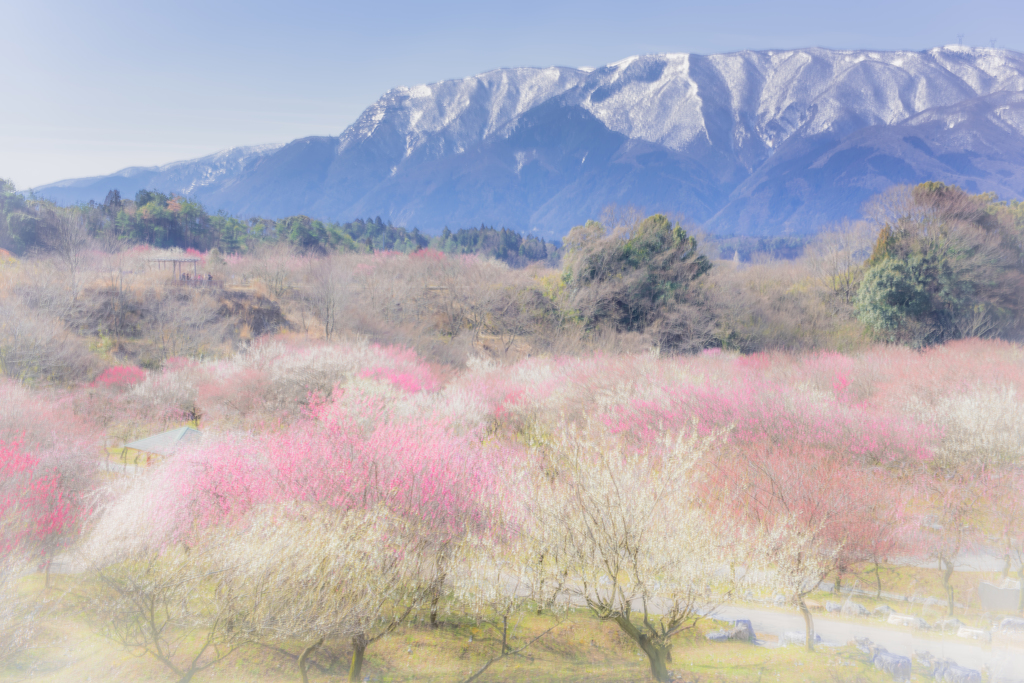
(836, 253)
(38, 348)
(184, 323)
(179, 604)
(328, 289)
(121, 268)
(68, 238)
(272, 265)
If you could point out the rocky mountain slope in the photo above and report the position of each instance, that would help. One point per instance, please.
(753, 143)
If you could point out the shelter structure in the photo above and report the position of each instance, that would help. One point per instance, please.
(178, 264)
(165, 443)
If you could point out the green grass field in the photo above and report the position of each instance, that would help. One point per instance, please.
(579, 648)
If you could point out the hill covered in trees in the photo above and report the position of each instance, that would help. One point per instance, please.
(933, 263)
(164, 221)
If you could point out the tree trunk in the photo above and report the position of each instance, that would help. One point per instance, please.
(878, 581)
(657, 656)
(808, 624)
(358, 650)
(1020, 576)
(540, 564)
(433, 611)
(436, 589)
(838, 588)
(304, 657)
(947, 574)
(504, 635)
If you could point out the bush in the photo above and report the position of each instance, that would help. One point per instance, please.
(640, 280)
(947, 265)
(892, 294)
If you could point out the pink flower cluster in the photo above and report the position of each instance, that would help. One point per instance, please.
(33, 506)
(120, 376)
(419, 469)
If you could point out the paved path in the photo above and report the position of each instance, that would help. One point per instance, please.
(1001, 658)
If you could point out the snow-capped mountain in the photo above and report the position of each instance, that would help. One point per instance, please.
(748, 142)
(185, 177)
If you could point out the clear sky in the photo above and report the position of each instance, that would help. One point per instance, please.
(89, 87)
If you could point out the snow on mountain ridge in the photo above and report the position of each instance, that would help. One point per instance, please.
(465, 109)
(208, 168)
(753, 142)
(664, 98)
(796, 87)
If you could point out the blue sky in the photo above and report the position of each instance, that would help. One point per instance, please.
(87, 88)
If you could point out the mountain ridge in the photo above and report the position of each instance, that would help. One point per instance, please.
(751, 142)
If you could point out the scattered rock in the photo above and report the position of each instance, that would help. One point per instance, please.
(833, 607)
(973, 633)
(1011, 624)
(854, 609)
(779, 600)
(796, 638)
(949, 672)
(907, 620)
(897, 666)
(748, 628)
(864, 645)
(883, 611)
(931, 602)
(742, 630)
(950, 624)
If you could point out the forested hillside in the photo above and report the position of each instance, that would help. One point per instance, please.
(933, 264)
(174, 221)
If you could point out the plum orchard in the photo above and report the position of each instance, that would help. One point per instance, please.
(345, 490)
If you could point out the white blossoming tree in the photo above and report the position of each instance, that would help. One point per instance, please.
(636, 548)
(325, 574)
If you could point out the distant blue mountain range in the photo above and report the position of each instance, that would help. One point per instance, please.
(748, 143)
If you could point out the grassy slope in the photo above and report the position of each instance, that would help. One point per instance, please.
(579, 649)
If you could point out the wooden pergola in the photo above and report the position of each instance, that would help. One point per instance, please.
(178, 264)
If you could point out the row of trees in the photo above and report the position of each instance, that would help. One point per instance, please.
(163, 220)
(505, 245)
